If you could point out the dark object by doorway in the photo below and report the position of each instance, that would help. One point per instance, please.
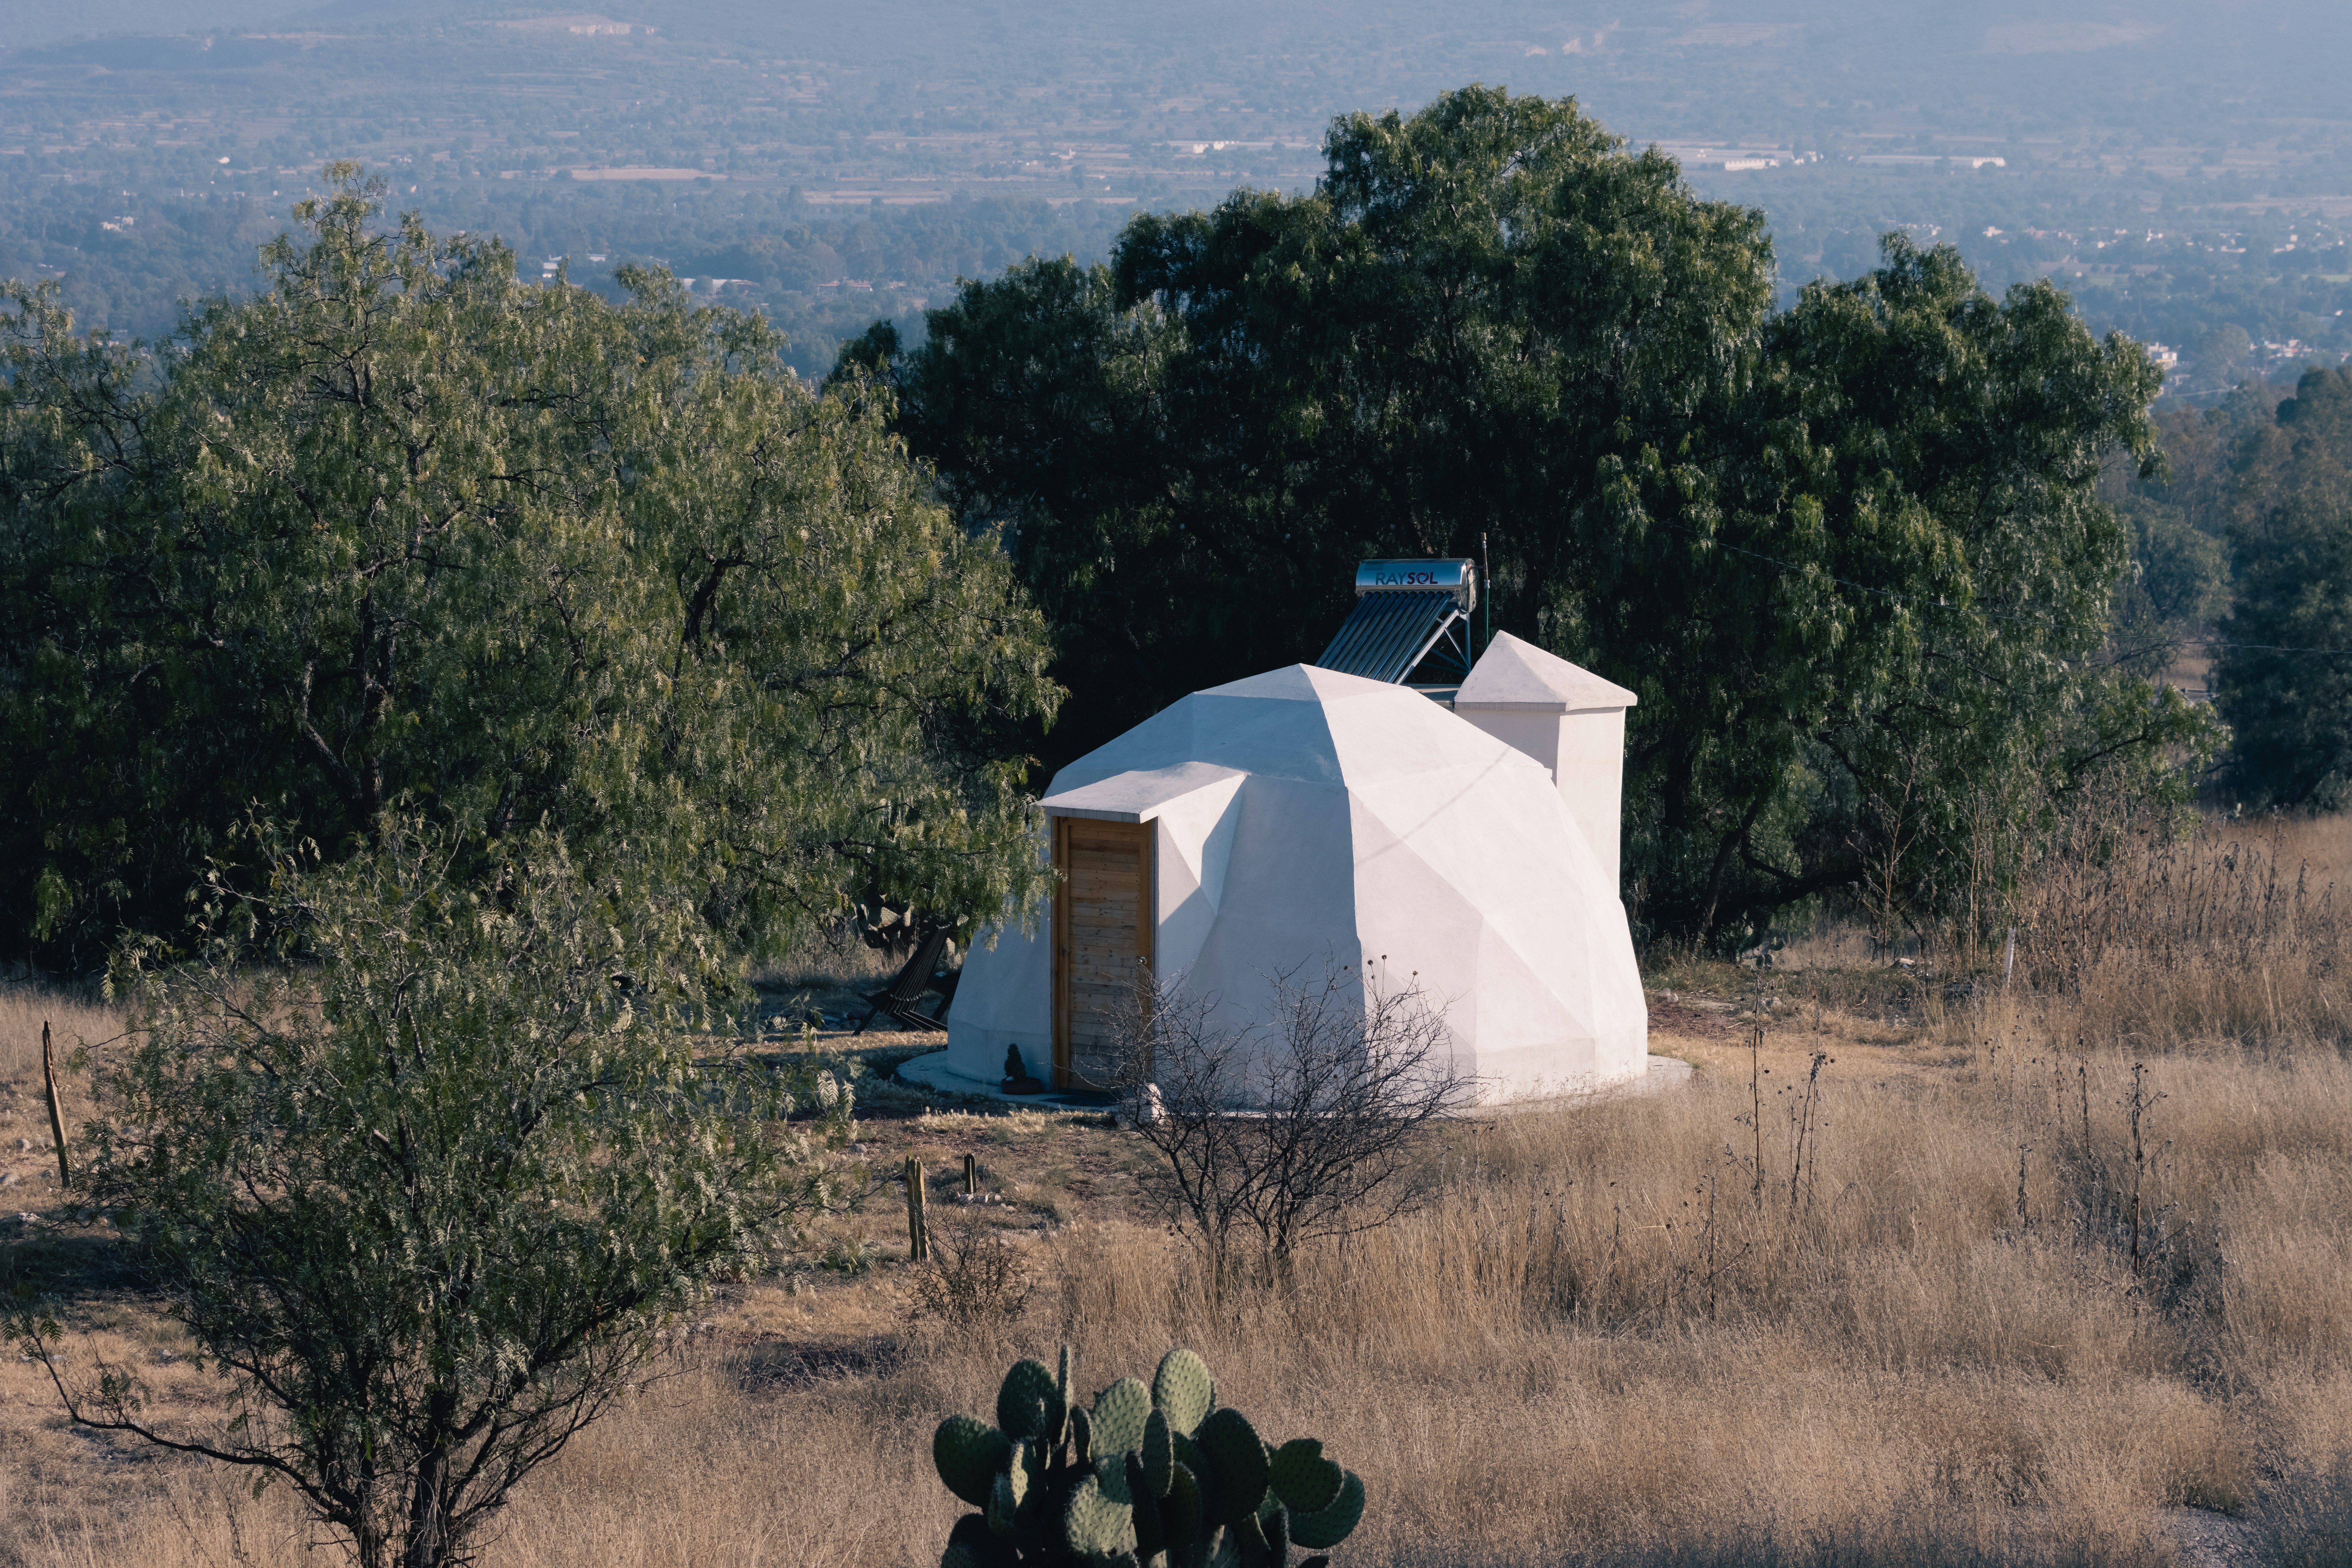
(1017, 1078)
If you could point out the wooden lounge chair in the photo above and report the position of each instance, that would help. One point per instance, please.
(899, 999)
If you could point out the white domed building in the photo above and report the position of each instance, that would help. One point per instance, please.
(1308, 816)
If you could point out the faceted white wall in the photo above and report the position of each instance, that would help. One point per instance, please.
(1303, 814)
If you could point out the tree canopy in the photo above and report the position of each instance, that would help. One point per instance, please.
(400, 528)
(2284, 677)
(1851, 555)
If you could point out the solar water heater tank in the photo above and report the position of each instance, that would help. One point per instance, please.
(1405, 611)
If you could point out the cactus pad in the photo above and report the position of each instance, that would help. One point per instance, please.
(970, 1545)
(1183, 1390)
(1273, 1521)
(1096, 1524)
(1248, 1533)
(1110, 1473)
(1081, 1435)
(1003, 1504)
(1188, 1454)
(1302, 1478)
(1236, 1465)
(1151, 1535)
(1330, 1526)
(1119, 1416)
(1029, 1461)
(1027, 1405)
(1158, 1454)
(969, 1452)
(1180, 1515)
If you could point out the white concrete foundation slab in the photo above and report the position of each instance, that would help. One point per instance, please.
(1662, 1075)
(937, 1071)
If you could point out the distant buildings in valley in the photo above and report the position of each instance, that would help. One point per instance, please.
(1694, 156)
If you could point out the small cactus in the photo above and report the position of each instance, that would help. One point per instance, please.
(1145, 1478)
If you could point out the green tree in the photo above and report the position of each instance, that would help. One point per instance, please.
(2179, 578)
(1927, 662)
(1189, 447)
(402, 528)
(2284, 678)
(1851, 556)
(427, 1174)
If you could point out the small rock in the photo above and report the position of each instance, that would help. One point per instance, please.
(1143, 1106)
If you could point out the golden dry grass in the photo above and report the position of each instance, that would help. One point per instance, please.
(1929, 1341)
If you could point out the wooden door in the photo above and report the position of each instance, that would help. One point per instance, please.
(1102, 939)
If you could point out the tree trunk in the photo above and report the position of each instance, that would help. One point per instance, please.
(429, 1542)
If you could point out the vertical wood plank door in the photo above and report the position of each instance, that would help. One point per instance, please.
(1102, 931)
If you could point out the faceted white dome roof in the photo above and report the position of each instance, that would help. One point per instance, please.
(1304, 816)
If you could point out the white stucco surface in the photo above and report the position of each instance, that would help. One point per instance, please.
(1568, 718)
(1303, 814)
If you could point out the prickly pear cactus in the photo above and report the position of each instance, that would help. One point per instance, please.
(1145, 1478)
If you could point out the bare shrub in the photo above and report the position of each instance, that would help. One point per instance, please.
(974, 1278)
(1303, 1128)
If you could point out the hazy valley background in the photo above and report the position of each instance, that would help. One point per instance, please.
(2183, 169)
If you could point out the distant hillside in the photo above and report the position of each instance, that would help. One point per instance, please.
(2183, 166)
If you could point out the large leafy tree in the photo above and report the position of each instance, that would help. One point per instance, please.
(1851, 555)
(1189, 447)
(402, 528)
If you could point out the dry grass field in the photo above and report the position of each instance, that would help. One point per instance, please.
(1897, 1288)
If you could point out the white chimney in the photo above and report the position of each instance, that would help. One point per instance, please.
(1568, 718)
